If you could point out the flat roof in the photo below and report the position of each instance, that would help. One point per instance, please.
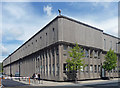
(60, 16)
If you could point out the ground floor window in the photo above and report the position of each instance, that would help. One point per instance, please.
(57, 69)
(98, 68)
(86, 68)
(91, 68)
(64, 67)
(95, 68)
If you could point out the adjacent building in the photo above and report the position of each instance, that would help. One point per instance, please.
(46, 52)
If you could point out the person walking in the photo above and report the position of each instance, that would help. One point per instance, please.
(11, 76)
(39, 78)
(33, 77)
(36, 77)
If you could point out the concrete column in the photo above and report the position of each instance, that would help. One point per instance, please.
(55, 60)
(48, 61)
(42, 64)
(93, 63)
(45, 64)
(51, 64)
(60, 62)
(89, 63)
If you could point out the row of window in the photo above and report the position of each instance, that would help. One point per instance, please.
(44, 57)
(27, 46)
(51, 69)
(92, 68)
(93, 53)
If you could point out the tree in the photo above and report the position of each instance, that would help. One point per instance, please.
(110, 61)
(75, 62)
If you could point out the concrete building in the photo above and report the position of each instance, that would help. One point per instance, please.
(46, 52)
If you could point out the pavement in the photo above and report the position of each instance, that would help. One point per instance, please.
(79, 83)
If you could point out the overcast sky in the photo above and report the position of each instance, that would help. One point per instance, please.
(21, 20)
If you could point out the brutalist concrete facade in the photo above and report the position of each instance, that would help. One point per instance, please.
(46, 52)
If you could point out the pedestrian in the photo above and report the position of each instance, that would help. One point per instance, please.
(11, 76)
(36, 77)
(39, 78)
(33, 77)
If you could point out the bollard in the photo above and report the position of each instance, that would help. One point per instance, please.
(0, 81)
(29, 80)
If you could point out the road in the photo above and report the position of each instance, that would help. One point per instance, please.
(13, 84)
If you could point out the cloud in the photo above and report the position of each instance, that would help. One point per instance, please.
(23, 23)
(109, 26)
(104, 15)
(103, 4)
(17, 12)
(48, 10)
(4, 50)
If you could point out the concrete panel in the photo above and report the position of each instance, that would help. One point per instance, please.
(72, 32)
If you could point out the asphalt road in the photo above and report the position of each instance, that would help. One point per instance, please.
(13, 84)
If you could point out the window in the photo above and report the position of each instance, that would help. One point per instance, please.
(95, 54)
(53, 55)
(57, 51)
(95, 68)
(64, 67)
(104, 43)
(36, 40)
(53, 69)
(99, 55)
(91, 53)
(43, 59)
(53, 29)
(50, 68)
(46, 69)
(65, 47)
(116, 69)
(91, 68)
(53, 34)
(86, 68)
(98, 68)
(49, 57)
(119, 69)
(57, 55)
(64, 54)
(46, 34)
(43, 69)
(57, 69)
(86, 53)
(46, 58)
(82, 69)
